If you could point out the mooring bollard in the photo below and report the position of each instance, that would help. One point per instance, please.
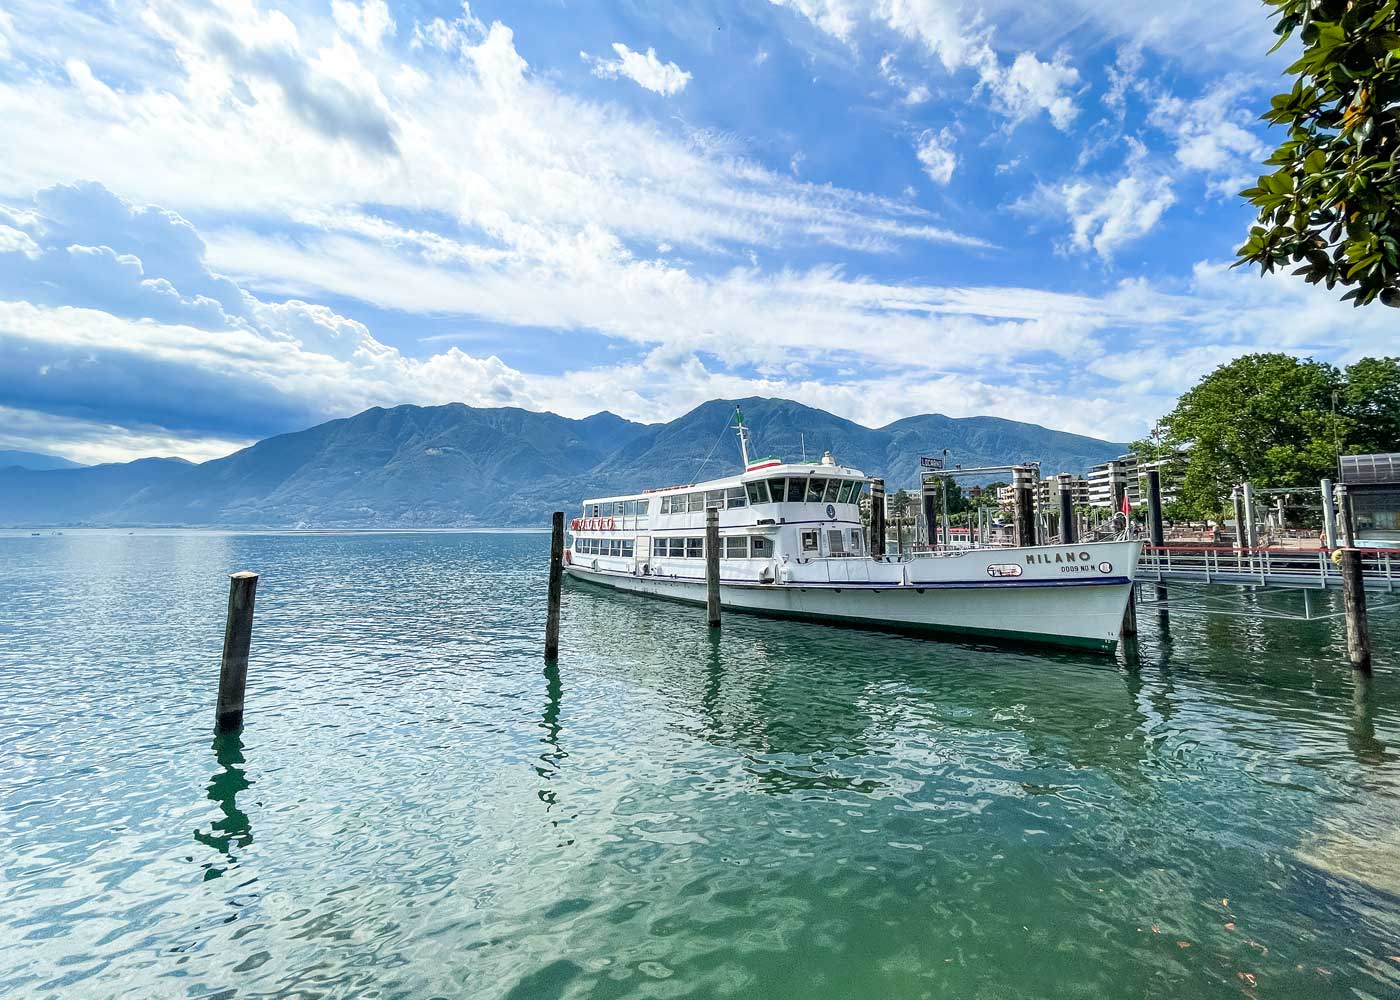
(712, 566)
(238, 637)
(1354, 599)
(556, 586)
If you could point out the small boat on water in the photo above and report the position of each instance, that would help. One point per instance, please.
(792, 545)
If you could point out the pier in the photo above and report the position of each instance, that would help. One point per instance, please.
(1292, 568)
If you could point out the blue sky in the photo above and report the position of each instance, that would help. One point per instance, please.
(226, 219)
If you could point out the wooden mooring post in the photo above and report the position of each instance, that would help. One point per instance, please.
(877, 518)
(556, 586)
(1354, 593)
(238, 638)
(712, 567)
(1068, 533)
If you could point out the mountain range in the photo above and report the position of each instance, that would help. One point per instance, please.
(457, 465)
(33, 460)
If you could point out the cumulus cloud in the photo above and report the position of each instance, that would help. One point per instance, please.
(643, 69)
(1214, 133)
(935, 152)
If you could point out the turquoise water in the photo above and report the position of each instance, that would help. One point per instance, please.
(417, 808)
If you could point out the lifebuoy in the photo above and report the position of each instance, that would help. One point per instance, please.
(612, 524)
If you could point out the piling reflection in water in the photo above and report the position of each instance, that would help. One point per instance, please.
(234, 830)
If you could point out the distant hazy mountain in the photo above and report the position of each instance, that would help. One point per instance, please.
(458, 465)
(34, 460)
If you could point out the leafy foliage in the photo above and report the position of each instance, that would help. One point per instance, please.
(1274, 420)
(1333, 204)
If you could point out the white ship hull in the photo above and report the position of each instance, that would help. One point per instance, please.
(1063, 595)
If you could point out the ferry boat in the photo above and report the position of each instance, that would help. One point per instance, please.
(792, 545)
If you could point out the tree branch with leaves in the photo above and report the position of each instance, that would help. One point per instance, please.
(1333, 203)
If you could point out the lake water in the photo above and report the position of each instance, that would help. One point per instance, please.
(417, 808)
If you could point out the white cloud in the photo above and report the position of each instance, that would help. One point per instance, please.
(643, 69)
(935, 152)
(369, 22)
(1213, 133)
(7, 28)
(953, 34)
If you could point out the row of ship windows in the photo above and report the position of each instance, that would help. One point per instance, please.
(734, 547)
(838, 542)
(780, 489)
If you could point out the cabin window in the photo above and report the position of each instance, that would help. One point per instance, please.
(809, 541)
(627, 548)
(832, 487)
(758, 492)
(796, 489)
(665, 505)
(736, 548)
(714, 500)
(760, 547)
(735, 497)
(695, 548)
(597, 510)
(855, 541)
(815, 488)
(696, 501)
(834, 539)
(643, 509)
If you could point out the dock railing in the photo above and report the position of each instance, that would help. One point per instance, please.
(1265, 566)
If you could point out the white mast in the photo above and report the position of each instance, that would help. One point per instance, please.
(743, 436)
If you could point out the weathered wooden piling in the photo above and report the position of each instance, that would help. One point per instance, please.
(1156, 535)
(1354, 600)
(1023, 483)
(1068, 533)
(1251, 532)
(712, 566)
(238, 638)
(877, 518)
(556, 586)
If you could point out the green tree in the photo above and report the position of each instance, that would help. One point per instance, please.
(900, 505)
(1371, 404)
(1333, 203)
(1274, 420)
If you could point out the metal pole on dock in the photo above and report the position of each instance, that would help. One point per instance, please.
(1129, 629)
(1354, 599)
(1239, 519)
(1068, 534)
(877, 518)
(712, 566)
(1251, 532)
(556, 586)
(1329, 516)
(238, 637)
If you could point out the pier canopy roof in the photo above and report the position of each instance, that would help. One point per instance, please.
(1370, 470)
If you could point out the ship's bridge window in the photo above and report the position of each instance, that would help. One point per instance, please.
(797, 488)
(758, 492)
(832, 487)
(736, 497)
(777, 488)
(736, 548)
(815, 488)
(845, 495)
(855, 493)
